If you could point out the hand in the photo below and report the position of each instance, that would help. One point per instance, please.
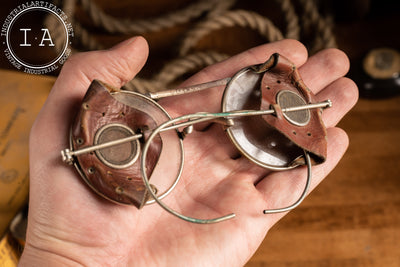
(70, 225)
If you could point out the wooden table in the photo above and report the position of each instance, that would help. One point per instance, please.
(353, 217)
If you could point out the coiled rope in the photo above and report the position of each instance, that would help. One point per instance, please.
(321, 27)
(241, 18)
(127, 26)
(175, 69)
(215, 16)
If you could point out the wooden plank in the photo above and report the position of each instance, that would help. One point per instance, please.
(352, 218)
(21, 98)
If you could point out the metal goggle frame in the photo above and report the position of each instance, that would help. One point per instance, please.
(240, 105)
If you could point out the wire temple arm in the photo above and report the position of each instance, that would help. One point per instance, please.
(146, 179)
(201, 117)
(204, 117)
(303, 195)
(189, 89)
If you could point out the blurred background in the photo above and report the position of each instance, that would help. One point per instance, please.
(351, 219)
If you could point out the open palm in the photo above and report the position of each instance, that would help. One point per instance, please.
(70, 225)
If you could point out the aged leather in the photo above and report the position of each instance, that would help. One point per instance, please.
(99, 108)
(281, 74)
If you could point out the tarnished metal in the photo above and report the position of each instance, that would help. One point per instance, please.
(277, 144)
(117, 156)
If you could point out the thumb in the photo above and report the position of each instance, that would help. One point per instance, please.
(115, 66)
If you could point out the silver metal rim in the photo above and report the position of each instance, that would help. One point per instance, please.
(232, 136)
(150, 201)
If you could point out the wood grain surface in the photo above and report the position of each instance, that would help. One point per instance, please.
(352, 218)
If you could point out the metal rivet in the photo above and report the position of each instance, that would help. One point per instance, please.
(119, 190)
(91, 170)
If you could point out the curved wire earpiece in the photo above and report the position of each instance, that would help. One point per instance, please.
(302, 196)
(202, 117)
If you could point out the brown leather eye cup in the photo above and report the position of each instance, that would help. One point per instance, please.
(275, 141)
(282, 87)
(113, 172)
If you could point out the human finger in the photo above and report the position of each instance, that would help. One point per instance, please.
(323, 68)
(114, 66)
(281, 189)
(344, 95)
(209, 100)
(326, 68)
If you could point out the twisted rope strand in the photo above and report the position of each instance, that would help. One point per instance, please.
(115, 25)
(240, 18)
(292, 20)
(56, 29)
(216, 18)
(174, 70)
(143, 86)
(190, 63)
(324, 36)
(86, 39)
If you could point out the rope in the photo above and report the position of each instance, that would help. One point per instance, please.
(56, 29)
(190, 63)
(324, 37)
(81, 36)
(143, 86)
(240, 18)
(292, 20)
(115, 25)
(174, 70)
(216, 17)
(87, 40)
